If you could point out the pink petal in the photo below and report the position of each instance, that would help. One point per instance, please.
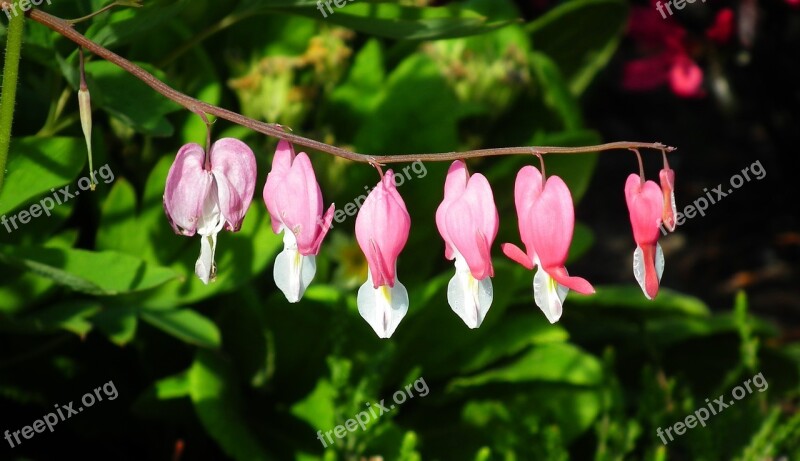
(454, 186)
(382, 227)
(517, 255)
(645, 207)
(686, 78)
(722, 29)
(647, 73)
(325, 226)
(577, 284)
(234, 167)
(667, 177)
(188, 184)
(472, 222)
(527, 188)
(648, 28)
(553, 223)
(650, 273)
(281, 164)
(300, 203)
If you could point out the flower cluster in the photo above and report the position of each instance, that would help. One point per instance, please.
(208, 192)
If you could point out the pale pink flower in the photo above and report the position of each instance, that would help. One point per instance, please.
(546, 220)
(294, 201)
(646, 206)
(382, 228)
(205, 194)
(468, 221)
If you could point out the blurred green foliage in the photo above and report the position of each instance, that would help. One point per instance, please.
(103, 289)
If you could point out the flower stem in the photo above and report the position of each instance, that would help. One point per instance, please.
(277, 131)
(8, 95)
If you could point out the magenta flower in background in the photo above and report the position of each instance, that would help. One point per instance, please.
(205, 194)
(467, 220)
(667, 59)
(723, 27)
(382, 228)
(294, 201)
(547, 221)
(646, 207)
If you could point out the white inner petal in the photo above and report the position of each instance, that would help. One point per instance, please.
(549, 295)
(659, 261)
(674, 210)
(292, 271)
(209, 224)
(469, 298)
(638, 269)
(383, 307)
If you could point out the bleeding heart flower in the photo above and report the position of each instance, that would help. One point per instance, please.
(667, 177)
(546, 220)
(294, 201)
(205, 193)
(382, 227)
(646, 206)
(467, 220)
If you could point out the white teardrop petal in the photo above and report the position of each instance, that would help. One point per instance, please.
(659, 261)
(638, 269)
(205, 268)
(211, 220)
(469, 298)
(549, 295)
(383, 307)
(293, 273)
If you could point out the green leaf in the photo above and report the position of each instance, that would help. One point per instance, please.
(318, 408)
(71, 316)
(390, 20)
(35, 166)
(129, 99)
(665, 332)
(556, 362)
(580, 36)
(118, 323)
(173, 387)
(510, 337)
(119, 230)
(219, 405)
(125, 25)
(97, 273)
(407, 96)
(556, 93)
(185, 324)
(629, 299)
